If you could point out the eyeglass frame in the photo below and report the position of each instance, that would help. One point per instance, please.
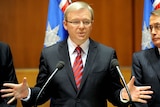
(78, 22)
(156, 27)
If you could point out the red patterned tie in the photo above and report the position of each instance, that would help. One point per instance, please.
(78, 67)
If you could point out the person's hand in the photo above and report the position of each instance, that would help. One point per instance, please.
(138, 93)
(16, 91)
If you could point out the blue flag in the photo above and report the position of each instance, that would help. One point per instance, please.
(55, 31)
(146, 36)
(149, 6)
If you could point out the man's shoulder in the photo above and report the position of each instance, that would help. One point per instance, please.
(101, 46)
(4, 47)
(3, 44)
(144, 51)
(55, 47)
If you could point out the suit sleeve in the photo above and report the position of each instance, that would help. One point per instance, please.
(137, 72)
(7, 70)
(115, 84)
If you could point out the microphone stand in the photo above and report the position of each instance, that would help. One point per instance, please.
(59, 66)
(125, 85)
(48, 80)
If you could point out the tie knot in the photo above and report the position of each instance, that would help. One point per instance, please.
(78, 49)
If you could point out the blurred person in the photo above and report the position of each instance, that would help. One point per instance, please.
(89, 83)
(7, 72)
(146, 63)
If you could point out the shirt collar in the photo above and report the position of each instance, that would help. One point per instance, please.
(72, 46)
(159, 50)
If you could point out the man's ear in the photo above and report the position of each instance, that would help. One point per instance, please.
(65, 24)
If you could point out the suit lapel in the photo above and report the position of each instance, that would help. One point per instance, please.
(154, 58)
(90, 59)
(64, 56)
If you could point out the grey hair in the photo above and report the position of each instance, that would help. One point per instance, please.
(156, 12)
(77, 6)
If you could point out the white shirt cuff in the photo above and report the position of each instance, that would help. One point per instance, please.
(122, 100)
(28, 97)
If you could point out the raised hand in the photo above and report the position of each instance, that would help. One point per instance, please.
(16, 91)
(138, 93)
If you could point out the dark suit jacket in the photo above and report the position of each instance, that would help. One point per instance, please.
(99, 81)
(146, 69)
(7, 71)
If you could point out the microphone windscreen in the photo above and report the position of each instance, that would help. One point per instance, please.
(60, 65)
(114, 63)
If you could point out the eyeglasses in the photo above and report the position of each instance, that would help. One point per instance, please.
(156, 27)
(78, 22)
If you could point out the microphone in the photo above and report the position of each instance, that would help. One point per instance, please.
(59, 66)
(114, 63)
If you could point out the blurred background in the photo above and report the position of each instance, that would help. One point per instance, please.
(117, 23)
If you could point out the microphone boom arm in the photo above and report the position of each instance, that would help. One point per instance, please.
(48, 80)
(125, 85)
(59, 66)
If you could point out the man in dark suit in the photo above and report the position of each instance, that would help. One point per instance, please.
(7, 72)
(146, 63)
(89, 83)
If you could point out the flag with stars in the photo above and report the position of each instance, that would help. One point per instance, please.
(149, 6)
(55, 31)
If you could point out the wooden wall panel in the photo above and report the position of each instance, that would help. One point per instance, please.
(138, 17)
(22, 25)
(23, 22)
(113, 27)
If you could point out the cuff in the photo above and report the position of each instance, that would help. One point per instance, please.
(122, 100)
(28, 97)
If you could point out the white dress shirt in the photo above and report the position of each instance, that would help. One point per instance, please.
(72, 54)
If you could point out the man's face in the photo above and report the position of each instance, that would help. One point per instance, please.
(155, 29)
(79, 25)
